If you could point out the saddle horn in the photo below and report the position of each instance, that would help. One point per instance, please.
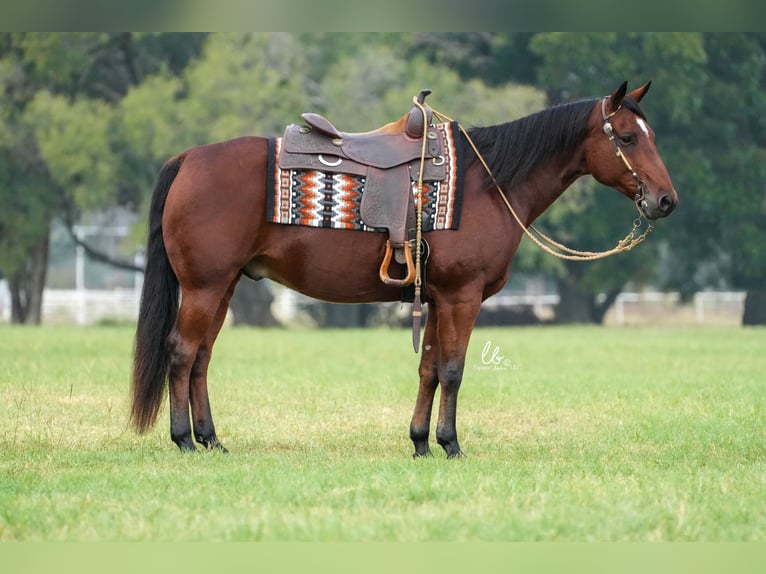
(414, 125)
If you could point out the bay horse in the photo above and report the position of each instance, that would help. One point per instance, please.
(207, 228)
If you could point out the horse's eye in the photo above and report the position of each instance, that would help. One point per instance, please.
(628, 139)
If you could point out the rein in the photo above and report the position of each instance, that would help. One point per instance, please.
(549, 245)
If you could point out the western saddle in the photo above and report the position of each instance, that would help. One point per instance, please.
(389, 159)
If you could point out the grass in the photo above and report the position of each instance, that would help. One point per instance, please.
(581, 434)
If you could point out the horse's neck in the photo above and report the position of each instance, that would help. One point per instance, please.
(547, 182)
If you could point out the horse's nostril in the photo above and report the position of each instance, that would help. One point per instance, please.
(666, 204)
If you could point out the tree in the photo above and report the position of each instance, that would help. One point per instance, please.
(23, 236)
(575, 66)
(58, 149)
(719, 147)
(734, 144)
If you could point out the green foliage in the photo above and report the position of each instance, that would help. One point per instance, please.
(150, 119)
(246, 84)
(375, 86)
(734, 109)
(73, 140)
(58, 60)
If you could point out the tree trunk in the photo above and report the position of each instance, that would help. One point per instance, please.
(18, 298)
(251, 304)
(27, 284)
(341, 315)
(599, 310)
(574, 306)
(755, 307)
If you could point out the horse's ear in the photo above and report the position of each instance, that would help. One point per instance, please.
(615, 100)
(639, 93)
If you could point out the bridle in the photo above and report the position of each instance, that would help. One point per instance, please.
(639, 198)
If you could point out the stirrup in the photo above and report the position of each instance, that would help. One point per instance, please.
(383, 273)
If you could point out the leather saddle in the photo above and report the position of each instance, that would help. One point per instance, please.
(389, 158)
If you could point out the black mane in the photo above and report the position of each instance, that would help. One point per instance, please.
(512, 150)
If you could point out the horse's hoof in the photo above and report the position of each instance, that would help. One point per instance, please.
(456, 454)
(213, 444)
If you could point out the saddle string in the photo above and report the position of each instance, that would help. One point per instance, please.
(545, 242)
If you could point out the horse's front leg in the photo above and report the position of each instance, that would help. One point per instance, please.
(455, 324)
(429, 380)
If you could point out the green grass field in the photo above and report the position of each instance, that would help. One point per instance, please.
(582, 434)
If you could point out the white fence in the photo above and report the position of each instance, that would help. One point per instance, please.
(84, 307)
(705, 307)
(645, 307)
(81, 307)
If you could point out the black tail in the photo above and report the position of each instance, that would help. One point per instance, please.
(157, 312)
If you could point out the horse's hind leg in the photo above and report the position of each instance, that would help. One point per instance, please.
(199, 309)
(202, 418)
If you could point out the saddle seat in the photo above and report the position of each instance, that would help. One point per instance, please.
(389, 158)
(389, 146)
(410, 125)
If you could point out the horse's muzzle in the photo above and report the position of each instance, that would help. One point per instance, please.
(658, 206)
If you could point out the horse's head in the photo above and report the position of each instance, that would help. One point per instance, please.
(620, 153)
